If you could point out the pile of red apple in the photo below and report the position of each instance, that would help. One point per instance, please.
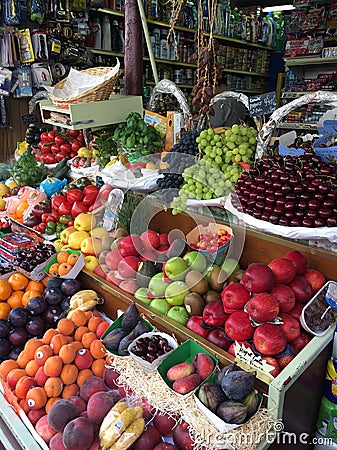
(263, 310)
(211, 242)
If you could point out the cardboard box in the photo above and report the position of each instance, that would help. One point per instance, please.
(185, 352)
(78, 266)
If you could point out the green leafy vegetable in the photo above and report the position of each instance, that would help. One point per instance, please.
(27, 171)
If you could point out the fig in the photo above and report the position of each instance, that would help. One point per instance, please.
(130, 318)
(18, 316)
(238, 384)
(223, 372)
(211, 395)
(112, 340)
(36, 305)
(232, 412)
(252, 401)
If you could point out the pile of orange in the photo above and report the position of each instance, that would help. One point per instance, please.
(64, 264)
(17, 291)
(56, 365)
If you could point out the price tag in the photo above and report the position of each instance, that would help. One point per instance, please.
(247, 355)
(260, 105)
(29, 118)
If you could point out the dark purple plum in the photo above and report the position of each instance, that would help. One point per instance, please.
(70, 287)
(5, 328)
(5, 347)
(18, 336)
(36, 326)
(37, 305)
(52, 315)
(18, 316)
(53, 296)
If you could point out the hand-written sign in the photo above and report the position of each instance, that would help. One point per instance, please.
(260, 105)
(246, 355)
(29, 118)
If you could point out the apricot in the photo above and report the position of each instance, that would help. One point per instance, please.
(53, 386)
(94, 322)
(90, 386)
(22, 359)
(98, 367)
(23, 385)
(62, 257)
(53, 366)
(73, 258)
(44, 430)
(13, 377)
(64, 268)
(70, 390)
(46, 338)
(79, 318)
(65, 326)
(31, 345)
(67, 353)
(36, 397)
(61, 413)
(42, 354)
(97, 349)
(87, 339)
(54, 269)
(83, 375)
(6, 366)
(50, 402)
(31, 368)
(79, 332)
(69, 374)
(57, 341)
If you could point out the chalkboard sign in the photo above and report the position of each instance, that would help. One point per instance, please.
(260, 105)
(29, 118)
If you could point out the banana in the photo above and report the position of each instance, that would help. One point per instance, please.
(112, 415)
(130, 435)
(117, 427)
(82, 297)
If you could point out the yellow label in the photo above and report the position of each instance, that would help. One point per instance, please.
(56, 47)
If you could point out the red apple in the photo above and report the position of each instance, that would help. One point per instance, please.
(111, 277)
(301, 342)
(164, 423)
(285, 297)
(298, 260)
(148, 409)
(214, 314)
(285, 360)
(99, 271)
(128, 245)
(112, 259)
(182, 437)
(297, 310)
(148, 255)
(194, 324)
(234, 297)
(283, 270)
(246, 344)
(164, 239)
(129, 286)
(273, 362)
(315, 278)
(290, 326)
(128, 266)
(218, 337)
(148, 439)
(263, 307)
(302, 289)
(269, 339)
(238, 326)
(150, 240)
(258, 278)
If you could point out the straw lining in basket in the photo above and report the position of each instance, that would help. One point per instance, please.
(97, 93)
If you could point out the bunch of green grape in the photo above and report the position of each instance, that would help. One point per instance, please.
(202, 181)
(235, 145)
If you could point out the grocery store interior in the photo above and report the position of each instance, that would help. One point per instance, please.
(168, 225)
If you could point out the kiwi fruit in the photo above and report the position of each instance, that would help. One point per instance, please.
(194, 304)
(196, 282)
(217, 279)
(211, 296)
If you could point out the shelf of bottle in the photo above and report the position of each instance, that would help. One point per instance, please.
(308, 61)
(244, 72)
(97, 51)
(189, 30)
(297, 125)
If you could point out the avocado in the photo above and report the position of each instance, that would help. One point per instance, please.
(145, 272)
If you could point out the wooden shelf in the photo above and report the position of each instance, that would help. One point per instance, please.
(315, 61)
(182, 86)
(97, 51)
(244, 72)
(168, 62)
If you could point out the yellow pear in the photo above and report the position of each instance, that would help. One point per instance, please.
(98, 232)
(64, 236)
(58, 245)
(2, 204)
(76, 238)
(85, 222)
(3, 189)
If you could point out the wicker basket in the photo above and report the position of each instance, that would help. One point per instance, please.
(96, 94)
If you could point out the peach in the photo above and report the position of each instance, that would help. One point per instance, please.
(40, 377)
(78, 402)
(78, 434)
(179, 371)
(187, 384)
(83, 359)
(204, 365)
(22, 386)
(56, 442)
(34, 415)
(110, 376)
(90, 386)
(99, 404)
(61, 413)
(43, 428)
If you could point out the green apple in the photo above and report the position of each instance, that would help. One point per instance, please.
(176, 268)
(196, 261)
(160, 305)
(176, 292)
(178, 314)
(157, 285)
(230, 266)
(210, 270)
(141, 295)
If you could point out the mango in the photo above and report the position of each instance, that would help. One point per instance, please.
(187, 384)
(179, 371)
(203, 364)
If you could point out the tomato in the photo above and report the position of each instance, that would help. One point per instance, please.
(65, 148)
(73, 154)
(38, 157)
(44, 158)
(76, 145)
(50, 159)
(74, 133)
(55, 148)
(44, 137)
(44, 217)
(80, 138)
(51, 135)
(46, 148)
(59, 156)
(42, 227)
(59, 140)
(40, 144)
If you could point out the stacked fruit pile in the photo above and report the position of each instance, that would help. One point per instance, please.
(292, 190)
(28, 308)
(219, 169)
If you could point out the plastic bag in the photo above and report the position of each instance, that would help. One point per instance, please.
(52, 185)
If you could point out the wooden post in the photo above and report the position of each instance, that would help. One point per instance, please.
(133, 53)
